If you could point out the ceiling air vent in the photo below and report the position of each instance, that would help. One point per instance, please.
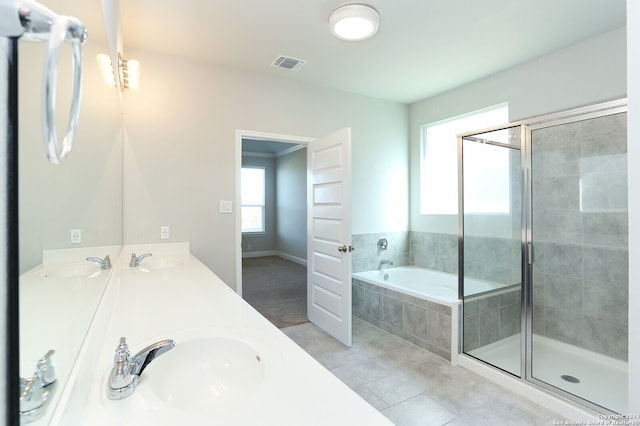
(289, 63)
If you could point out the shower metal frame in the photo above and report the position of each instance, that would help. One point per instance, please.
(527, 251)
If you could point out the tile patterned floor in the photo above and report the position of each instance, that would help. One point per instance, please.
(412, 386)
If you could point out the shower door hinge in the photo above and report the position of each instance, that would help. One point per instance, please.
(530, 253)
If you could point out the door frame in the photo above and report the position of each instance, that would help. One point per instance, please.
(256, 135)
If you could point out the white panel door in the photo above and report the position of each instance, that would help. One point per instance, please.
(329, 234)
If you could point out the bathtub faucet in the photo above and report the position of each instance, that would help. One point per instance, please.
(126, 370)
(384, 262)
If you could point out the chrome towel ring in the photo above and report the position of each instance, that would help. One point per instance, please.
(63, 28)
(41, 24)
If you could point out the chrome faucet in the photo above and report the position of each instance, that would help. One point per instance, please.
(104, 263)
(384, 262)
(135, 260)
(36, 391)
(126, 370)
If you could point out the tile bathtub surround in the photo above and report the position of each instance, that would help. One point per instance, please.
(428, 250)
(486, 258)
(412, 386)
(366, 256)
(421, 322)
(431, 250)
(424, 323)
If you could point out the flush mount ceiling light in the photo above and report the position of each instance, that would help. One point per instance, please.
(354, 22)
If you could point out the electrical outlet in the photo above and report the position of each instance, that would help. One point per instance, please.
(164, 232)
(76, 236)
(226, 207)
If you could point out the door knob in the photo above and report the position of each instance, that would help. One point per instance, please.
(343, 249)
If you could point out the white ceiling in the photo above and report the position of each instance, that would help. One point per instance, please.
(423, 47)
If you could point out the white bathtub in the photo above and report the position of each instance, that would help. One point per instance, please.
(439, 287)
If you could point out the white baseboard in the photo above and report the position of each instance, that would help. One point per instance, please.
(293, 259)
(259, 253)
(286, 256)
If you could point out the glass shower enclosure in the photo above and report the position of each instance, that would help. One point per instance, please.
(543, 241)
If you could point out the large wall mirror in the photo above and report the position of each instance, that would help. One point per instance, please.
(84, 193)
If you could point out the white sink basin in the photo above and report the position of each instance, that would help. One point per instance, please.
(206, 373)
(151, 264)
(71, 270)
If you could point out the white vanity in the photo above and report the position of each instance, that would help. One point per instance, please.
(229, 366)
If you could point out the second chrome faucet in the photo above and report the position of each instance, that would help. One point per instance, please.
(135, 260)
(103, 263)
(36, 391)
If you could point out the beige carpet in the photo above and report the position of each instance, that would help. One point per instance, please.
(277, 288)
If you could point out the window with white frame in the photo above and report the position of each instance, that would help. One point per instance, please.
(439, 164)
(252, 195)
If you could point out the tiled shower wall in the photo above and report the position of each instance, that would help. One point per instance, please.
(580, 234)
(492, 317)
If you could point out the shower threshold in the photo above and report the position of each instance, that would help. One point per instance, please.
(597, 378)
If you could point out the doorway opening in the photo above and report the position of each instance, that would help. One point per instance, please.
(272, 221)
(327, 231)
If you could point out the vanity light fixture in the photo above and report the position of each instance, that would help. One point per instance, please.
(354, 22)
(128, 72)
(106, 70)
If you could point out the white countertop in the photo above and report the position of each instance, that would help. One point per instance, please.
(57, 301)
(181, 298)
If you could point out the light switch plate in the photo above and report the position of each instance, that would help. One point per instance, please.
(226, 207)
